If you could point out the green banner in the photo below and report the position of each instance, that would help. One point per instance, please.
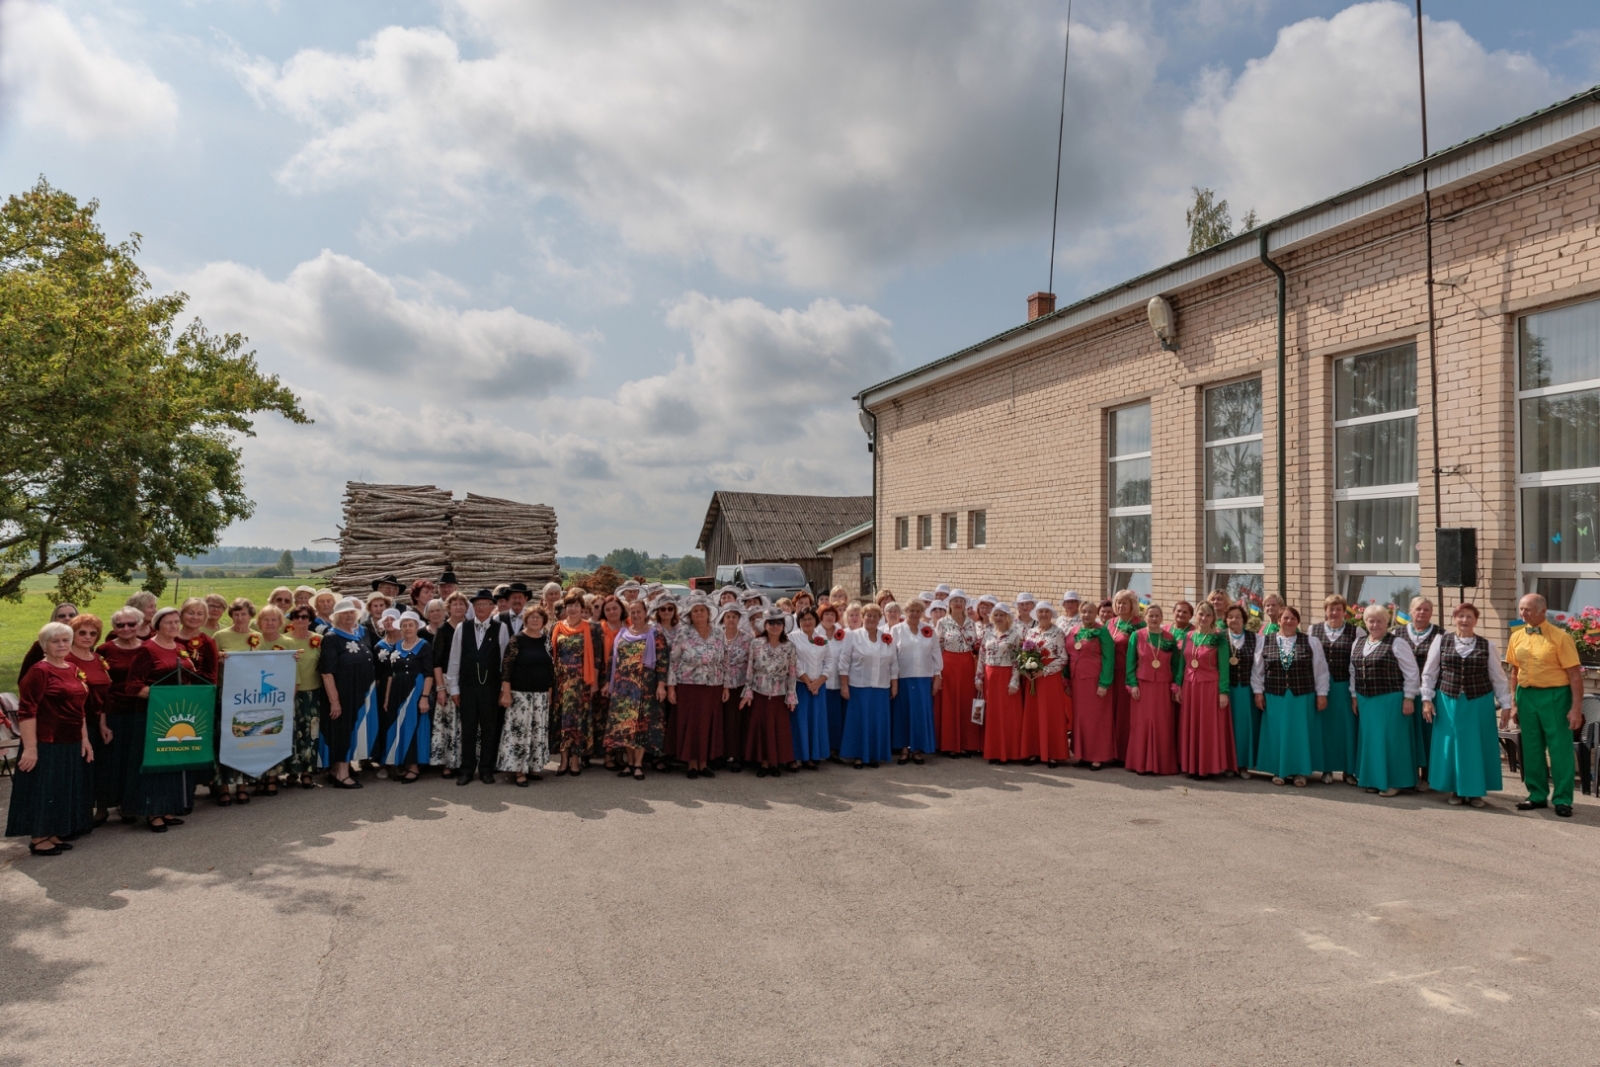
(180, 731)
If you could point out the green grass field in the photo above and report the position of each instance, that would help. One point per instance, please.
(19, 623)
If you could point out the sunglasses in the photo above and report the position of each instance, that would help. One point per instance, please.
(88, 633)
(124, 626)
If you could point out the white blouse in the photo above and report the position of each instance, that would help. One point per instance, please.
(815, 661)
(1402, 656)
(920, 657)
(838, 654)
(868, 661)
(1464, 646)
(1258, 669)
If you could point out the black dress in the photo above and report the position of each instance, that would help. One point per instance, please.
(350, 661)
(403, 670)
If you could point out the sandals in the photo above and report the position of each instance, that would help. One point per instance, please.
(1453, 799)
(1327, 777)
(918, 760)
(638, 774)
(224, 799)
(1299, 781)
(624, 773)
(1390, 793)
(306, 782)
(903, 760)
(522, 780)
(409, 777)
(243, 797)
(1478, 802)
(270, 789)
(347, 783)
(1276, 780)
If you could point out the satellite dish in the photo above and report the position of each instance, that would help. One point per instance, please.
(866, 420)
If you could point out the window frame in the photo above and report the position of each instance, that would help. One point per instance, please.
(976, 518)
(1343, 572)
(950, 531)
(902, 532)
(924, 533)
(1113, 567)
(1212, 571)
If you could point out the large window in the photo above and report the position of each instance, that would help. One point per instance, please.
(1375, 476)
(1558, 444)
(1233, 498)
(1128, 432)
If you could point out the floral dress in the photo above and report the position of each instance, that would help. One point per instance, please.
(446, 739)
(570, 711)
(525, 738)
(636, 715)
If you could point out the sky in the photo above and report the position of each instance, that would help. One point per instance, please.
(612, 257)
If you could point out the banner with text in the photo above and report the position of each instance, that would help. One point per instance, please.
(257, 721)
(179, 731)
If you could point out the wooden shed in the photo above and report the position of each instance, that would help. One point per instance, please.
(776, 528)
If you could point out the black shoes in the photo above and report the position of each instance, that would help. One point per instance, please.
(1531, 805)
(487, 777)
(1564, 810)
(464, 778)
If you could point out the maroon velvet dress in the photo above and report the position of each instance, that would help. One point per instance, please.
(1205, 733)
(1122, 699)
(1152, 733)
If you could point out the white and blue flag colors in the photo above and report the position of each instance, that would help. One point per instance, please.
(256, 731)
(410, 722)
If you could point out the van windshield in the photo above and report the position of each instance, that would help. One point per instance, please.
(774, 575)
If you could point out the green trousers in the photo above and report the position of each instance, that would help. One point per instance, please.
(1542, 714)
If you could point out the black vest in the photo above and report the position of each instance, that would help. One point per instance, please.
(480, 664)
(1464, 676)
(1299, 679)
(1337, 653)
(1239, 673)
(1378, 674)
(1419, 649)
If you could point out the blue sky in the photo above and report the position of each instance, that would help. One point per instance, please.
(612, 257)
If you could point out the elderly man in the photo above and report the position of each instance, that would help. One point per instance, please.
(472, 676)
(1542, 661)
(447, 584)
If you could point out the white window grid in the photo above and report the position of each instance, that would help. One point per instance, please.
(1392, 491)
(1233, 503)
(1527, 572)
(952, 529)
(1113, 569)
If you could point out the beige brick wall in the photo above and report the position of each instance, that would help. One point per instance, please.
(847, 564)
(1024, 438)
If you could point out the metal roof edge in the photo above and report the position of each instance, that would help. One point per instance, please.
(848, 535)
(1479, 157)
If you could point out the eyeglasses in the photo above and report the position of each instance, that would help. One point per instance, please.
(124, 626)
(88, 633)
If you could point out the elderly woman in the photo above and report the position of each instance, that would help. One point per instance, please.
(1461, 682)
(240, 636)
(281, 598)
(1338, 734)
(227, 784)
(1125, 606)
(271, 637)
(347, 662)
(1241, 652)
(1219, 606)
(637, 685)
(1046, 707)
(1001, 686)
(123, 716)
(1092, 661)
(607, 624)
(769, 694)
(956, 734)
(1205, 717)
(736, 641)
(892, 615)
(446, 739)
(527, 675)
(216, 611)
(816, 664)
(664, 614)
(147, 604)
(1384, 682)
(302, 597)
(869, 677)
(830, 624)
(1418, 635)
(921, 661)
(1290, 681)
(697, 676)
(51, 795)
(420, 593)
(408, 698)
(577, 666)
(1149, 672)
(322, 603)
(307, 692)
(192, 635)
(63, 613)
(96, 674)
(162, 660)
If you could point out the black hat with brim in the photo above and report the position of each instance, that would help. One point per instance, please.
(387, 579)
(519, 587)
(483, 594)
(448, 578)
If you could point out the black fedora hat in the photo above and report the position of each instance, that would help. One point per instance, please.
(519, 587)
(387, 579)
(483, 594)
(448, 578)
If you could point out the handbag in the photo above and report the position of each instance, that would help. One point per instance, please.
(977, 711)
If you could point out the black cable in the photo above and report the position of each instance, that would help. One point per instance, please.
(1061, 131)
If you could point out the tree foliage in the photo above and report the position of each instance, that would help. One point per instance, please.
(1210, 222)
(117, 424)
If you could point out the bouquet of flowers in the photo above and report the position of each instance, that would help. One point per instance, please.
(1585, 630)
(1030, 661)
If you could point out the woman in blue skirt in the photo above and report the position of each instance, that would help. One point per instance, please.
(832, 627)
(808, 720)
(1383, 687)
(1241, 664)
(869, 672)
(921, 659)
(1290, 681)
(1461, 683)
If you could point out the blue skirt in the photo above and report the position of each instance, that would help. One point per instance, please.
(835, 719)
(808, 724)
(911, 716)
(1246, 725)
(1288, 730)
(866, 725)
(1465, 759)
(1387, 758)
(1338, 726)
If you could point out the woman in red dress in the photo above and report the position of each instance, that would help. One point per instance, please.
(52, 795)
(1046, 707)
(1152, 740)
(1125, 607)
(956, 733)
(1205, 730)
(999, 685)
(1092, 658)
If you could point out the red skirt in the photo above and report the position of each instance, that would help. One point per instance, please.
(735, 721)
(1152, 733)
(954, 730)
(696, 729)
(1046, 718)
(1002, 716)
(1205, 735)
(1122, 703)
(767, 739)
(1094, 724)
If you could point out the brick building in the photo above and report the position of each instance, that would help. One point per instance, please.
(1078, 450)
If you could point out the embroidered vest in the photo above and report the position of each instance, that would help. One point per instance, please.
(1298, 679)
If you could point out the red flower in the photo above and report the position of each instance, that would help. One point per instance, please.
(927, 631)
(316, 640)
(818, 639)
(838, 635)
(888, 640)
(254, 640)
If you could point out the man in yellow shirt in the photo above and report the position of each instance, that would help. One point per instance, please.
(1543, 663)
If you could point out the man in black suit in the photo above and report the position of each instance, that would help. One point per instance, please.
(473, 674)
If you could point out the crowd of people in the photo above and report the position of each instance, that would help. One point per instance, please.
(509, 681)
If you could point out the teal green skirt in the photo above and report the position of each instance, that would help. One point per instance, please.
(1288, 729)
(1465, 758)
(1388, 759)
(1421, 736)
(1246, 725)
(1339, 736)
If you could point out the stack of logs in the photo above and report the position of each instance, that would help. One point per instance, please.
(421, 531)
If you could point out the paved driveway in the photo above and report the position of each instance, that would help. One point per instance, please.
(950, 914)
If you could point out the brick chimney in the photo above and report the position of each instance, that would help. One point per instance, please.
(1040, 305)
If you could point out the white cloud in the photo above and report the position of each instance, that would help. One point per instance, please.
(62, 76)
(338, 309)
(1335, 104)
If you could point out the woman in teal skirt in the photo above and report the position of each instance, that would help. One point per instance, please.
(1461, 683)
(1241, 664)
(1383, 689)
(1290, 681)
(1338, 722)
(1419, 633)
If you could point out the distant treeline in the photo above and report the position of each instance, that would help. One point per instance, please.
(630, 562)
(246, 556)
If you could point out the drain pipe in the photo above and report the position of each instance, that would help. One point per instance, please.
(1283, 423)
(869, 423)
